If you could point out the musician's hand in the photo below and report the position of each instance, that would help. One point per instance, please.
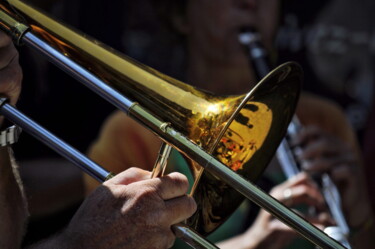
(269, 232)
(10, 70)
(323, 153)
(132, 211)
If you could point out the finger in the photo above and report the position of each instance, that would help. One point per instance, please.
(321, 165)
(297, 190)
(301, 178)
(306, 134)
(305, 194)
(323, 147)
(179, 209)
(171, 185)
(278, 191)
(129, 176)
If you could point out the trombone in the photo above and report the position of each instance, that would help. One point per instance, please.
(210, 130)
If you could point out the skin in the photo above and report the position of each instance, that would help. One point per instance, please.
(129, 211)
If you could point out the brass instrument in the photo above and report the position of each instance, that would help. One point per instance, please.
(231, 138)
(288, 161)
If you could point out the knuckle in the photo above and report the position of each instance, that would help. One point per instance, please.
(132, 169)
(146, 193)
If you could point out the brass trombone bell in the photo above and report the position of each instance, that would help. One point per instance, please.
(241, 132)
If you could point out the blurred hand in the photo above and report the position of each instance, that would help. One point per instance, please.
(269, 232)
(296, 191)
(132, 211)
(10, 70)
(321, 153)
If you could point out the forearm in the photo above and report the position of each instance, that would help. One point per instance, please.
(13, 208)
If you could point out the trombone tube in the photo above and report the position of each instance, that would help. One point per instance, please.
(54, 142)
(192, 238)
(161, 161)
